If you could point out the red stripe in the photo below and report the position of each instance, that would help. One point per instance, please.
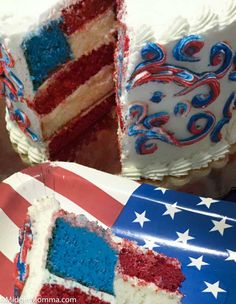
(76, 15)
(6, 277)
(68, 78)
(50, 293)
(82, 192)
(77, 127)
(13, 204)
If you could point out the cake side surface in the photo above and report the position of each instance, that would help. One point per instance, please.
(176, 87)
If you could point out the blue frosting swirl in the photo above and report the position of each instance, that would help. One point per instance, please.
(181, 108)
(157, 97)
(156, 120)
(198, 131)
(221, 52)
(152, 51)
(216, 133)
(232, 75)
(187, 47)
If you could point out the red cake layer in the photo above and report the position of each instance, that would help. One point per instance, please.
(59, 294)
(79, 125)
(76, 15)
(67, 79)
(98, 147)
(158, 269)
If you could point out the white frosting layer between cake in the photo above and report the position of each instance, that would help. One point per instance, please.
(165, 23)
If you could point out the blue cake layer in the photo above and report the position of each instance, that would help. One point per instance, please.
(45, 50)
(78, 254)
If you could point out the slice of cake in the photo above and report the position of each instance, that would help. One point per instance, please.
(56, 69)
(174, 72)
(66, 256)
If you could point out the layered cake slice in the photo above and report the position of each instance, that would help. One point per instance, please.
(56, 69)
(66, 256)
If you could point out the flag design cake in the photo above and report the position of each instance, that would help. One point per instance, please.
(65, 255)
(174, 79)
(57, 69)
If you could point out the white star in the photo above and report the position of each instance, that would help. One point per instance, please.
(141, 218)
(150, 244)
(198, 263)
(213, 288)
(220, 226)
(232, 256)
(171, 209)
(207, 202)
(184, 237)
(163, 190)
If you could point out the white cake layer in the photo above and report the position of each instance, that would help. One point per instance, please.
(84, 98)
(93, 34)
(158, 21)
(142, 293)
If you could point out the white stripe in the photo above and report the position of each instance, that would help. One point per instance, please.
(69, 284)
(8, 237)
(31, 189)
(118, 187)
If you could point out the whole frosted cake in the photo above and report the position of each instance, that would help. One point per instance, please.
(63, 256)
(174, 78)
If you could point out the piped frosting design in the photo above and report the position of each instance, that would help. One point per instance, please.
(188, 68)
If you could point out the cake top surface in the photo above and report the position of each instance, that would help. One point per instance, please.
(18, 16)
(169, 22)
(165, 19)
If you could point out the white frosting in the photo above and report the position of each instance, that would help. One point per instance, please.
(21, 16)
(216, 22)
(226, 11)
(208, 19)
(42, 222)
(36, 152)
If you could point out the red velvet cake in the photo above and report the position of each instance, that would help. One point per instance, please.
(66, 256)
